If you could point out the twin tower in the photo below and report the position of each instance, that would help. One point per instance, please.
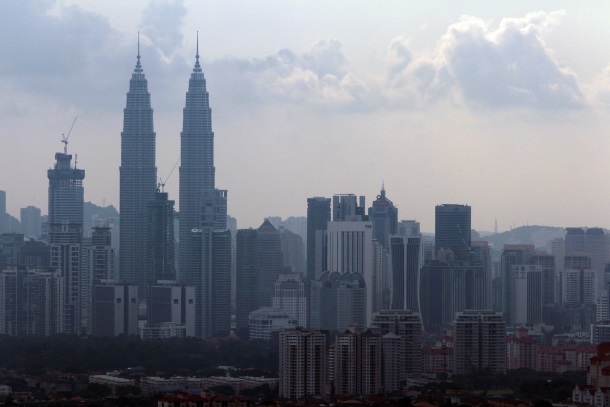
(138, 178)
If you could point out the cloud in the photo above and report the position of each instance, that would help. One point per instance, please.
(319, 76)
(475, 63)
(162, 23)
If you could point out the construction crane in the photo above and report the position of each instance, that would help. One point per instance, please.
(161, 184)
(64, 139)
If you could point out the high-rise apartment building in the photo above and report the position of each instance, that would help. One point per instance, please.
(303, 363)
(31, 222)
(384, 217)
(479, 342)
(408, 326)
(452, 230)
(31, 302)
(98, 265)
(66, 194)
(160, 239)
(318, 216)
(358, 367)
(138, 181)
(197, 172)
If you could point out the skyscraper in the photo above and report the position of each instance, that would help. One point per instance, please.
(160, 244)
(138, 180)
(303, 363)
(31, 222)
(66, 208)
(384, 216)
(209, 271)
(197, 170)
(452, 230)
(479, 342)
(318, 216)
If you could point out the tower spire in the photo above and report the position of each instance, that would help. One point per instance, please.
(138, 68)
(197, 56)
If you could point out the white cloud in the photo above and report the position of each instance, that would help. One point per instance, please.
(495, 67)
(319, 76)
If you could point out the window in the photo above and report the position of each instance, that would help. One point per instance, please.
(118, 300)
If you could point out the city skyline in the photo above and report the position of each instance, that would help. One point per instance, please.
(312, 103)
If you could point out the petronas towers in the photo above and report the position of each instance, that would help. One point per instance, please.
(138, 179)
(201, 205)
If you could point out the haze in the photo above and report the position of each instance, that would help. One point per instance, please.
(499, 105)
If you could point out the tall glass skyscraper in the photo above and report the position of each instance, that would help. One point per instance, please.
(138, 180)
(66, 195)
(197, 166)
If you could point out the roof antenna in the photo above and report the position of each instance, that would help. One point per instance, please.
(138, 44)
(197, 56)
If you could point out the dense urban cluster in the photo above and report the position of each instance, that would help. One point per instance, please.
(360, 302)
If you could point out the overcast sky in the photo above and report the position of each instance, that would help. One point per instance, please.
(504, 106)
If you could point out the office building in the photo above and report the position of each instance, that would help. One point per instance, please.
(270, 262)
(138, 181)
(290, 297)
(406, 261)
(512, 255)
(526, 300)
(115, 309)
(160, 235)
(447, 288)
(66, 194)
(31, 222)
(266, 322)
(318, 216)
(338, 301)
(349, 208)
(452, 230)
(293, 256)
(246, 277)
(197, 172)
(408, 228)
(350, 250)
(171, 304)
(381, 280)
(384, 217)
(479, 342)
(303, 363)
(209, 271)
(3, 211)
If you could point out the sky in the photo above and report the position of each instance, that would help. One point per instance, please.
(504, 106)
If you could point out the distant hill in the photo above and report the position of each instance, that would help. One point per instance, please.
(540, 236)
(93, 211)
